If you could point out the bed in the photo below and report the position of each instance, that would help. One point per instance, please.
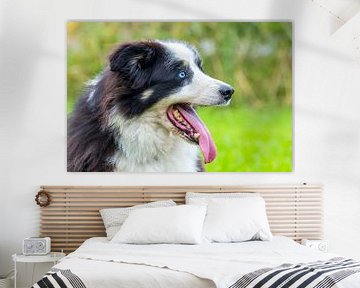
(294, 212)
(98, 263)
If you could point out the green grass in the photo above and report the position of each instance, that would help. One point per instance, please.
(250, 140)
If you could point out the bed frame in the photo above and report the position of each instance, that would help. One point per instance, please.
(73, 214)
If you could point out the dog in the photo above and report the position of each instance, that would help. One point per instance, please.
(138, 114)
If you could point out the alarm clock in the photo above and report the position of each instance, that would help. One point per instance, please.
(320, 245)
(36, 246)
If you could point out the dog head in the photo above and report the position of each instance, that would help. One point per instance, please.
(167, 77)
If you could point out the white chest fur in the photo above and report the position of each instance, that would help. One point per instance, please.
(145, 145)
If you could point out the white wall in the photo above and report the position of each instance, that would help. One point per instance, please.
(33, 101)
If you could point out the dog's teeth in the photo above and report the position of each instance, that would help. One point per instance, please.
(178, 116)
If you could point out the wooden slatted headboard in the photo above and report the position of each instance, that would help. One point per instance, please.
(73, 215)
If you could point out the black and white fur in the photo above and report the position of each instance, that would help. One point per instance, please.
(120, 123)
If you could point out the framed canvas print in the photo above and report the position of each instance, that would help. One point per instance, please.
(179, 96)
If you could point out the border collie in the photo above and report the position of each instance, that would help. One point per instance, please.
(138, 114)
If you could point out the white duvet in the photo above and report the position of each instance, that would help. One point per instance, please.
(100, 263)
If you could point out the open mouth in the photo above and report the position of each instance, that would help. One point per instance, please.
(191, 128)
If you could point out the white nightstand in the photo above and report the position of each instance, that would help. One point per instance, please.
(53, 257)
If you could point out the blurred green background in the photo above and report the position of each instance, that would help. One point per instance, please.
(253, 133)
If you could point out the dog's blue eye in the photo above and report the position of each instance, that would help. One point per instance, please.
(182, 74)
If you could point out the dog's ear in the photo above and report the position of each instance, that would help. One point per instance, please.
(133, 62)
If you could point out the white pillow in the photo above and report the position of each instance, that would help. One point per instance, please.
(180, 224)
(236, 220)
(113, 218)
(204, 198)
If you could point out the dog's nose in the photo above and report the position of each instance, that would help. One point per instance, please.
(226, 91)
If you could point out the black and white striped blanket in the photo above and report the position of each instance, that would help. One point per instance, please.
(57, 278)
(320, 274)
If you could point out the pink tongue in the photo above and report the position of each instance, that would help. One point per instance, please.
(206, 143)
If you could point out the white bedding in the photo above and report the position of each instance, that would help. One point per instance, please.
(100, 263)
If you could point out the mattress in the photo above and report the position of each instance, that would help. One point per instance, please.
(99, 263)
